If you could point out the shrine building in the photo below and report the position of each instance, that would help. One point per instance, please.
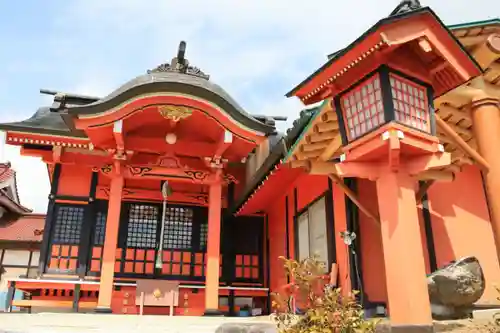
(20, 236)
(167, 197)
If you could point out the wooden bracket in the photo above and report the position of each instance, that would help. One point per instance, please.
(217, 162)
(119, 139)
(224, 143)
(57, 153)
(118, 134)
(354, 198)
(461, 143)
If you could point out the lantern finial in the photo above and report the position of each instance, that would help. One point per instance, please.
(406, 6)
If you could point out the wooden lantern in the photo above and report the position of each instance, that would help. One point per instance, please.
(384, 96)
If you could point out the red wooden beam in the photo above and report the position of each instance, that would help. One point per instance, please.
(118, 135)
(148, 194)
(183, 147)
(196, 176)
(224, 143)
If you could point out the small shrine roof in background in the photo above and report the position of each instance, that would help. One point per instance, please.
(180, 64)
(26, 228)
(6, 173)
(9, 197)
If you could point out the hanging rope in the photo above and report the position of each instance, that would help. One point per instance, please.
(159, 257)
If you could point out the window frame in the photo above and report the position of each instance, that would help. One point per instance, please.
(135, 237)
(327, 196)
(30, 264)
(59, 228)
(178, 228)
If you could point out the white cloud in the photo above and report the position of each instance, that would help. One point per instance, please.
(257, 50)
(89, 87)
(244, 45)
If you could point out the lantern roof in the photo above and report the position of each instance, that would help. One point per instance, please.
(375, 41)
(268, 178)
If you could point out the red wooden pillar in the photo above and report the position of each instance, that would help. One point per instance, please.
(110, 243)
(486, 125)
(213, 250)
(403, 253)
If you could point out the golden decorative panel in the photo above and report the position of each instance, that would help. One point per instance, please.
(157, 293)
(175, 112)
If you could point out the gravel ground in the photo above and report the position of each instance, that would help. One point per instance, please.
(470, 326)
(95, 323)
(456, 326)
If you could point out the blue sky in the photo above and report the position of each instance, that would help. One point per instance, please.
(257, 50)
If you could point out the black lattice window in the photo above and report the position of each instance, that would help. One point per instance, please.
(178, 228)
(203, 236)
(410, 103)
(142, 224)
(68, 225)
(363, 108)
(100, 228)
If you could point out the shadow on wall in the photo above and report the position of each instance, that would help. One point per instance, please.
(461, 226)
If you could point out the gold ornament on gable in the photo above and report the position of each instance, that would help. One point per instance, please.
(175, 112)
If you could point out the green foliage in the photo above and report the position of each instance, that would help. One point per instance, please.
(325, 309)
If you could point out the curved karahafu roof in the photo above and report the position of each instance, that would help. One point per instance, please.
(176, 77)
(174, 82)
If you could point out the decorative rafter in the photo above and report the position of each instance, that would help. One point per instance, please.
(37, 139)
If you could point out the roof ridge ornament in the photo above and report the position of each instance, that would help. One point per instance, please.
(180, 64)
(406, 6)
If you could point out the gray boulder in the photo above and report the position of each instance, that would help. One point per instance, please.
(454, 288)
